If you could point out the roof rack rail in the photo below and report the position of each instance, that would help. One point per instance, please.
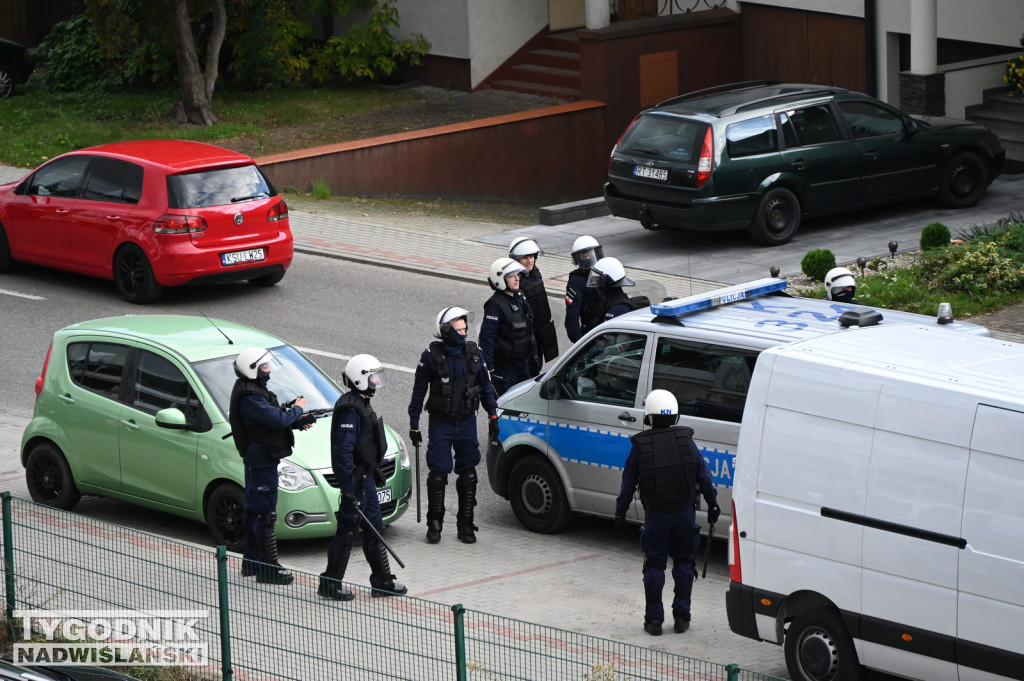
(718, 88)
(783, 98)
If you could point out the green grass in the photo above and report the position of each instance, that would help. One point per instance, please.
(37, 125)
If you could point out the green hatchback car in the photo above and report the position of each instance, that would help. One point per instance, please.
(136, 408)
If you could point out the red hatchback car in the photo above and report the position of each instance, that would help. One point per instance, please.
(149, 214)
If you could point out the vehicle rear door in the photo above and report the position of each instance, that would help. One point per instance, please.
(110, 193)
(825, 162)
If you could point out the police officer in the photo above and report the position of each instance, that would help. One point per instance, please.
(670, 470)
(262, 431)
(506, 336)
(526, 251)
(583, 306)
(453, 370)
(609, 276)
(840, 285)
(358, 444)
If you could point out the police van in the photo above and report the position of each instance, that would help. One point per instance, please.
(564, 436)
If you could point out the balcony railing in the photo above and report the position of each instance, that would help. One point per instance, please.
(637, 9)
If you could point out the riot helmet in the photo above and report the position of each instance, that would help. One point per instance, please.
(661, 409)
(445, 319)
(501, 268)
(524, 246)
(254, 363)
(608, 272)
(364, 374)
(840, 285)
(586, 251)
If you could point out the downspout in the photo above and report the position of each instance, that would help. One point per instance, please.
(870, 48)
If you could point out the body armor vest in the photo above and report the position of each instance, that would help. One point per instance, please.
(454, 398)
(277, 442)
(593, 307)
(668, 471)
(514, 340)
(372, 442)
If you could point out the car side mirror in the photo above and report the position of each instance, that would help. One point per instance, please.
(911, 126)
(22, 188)
(171, 418)
(549, 389)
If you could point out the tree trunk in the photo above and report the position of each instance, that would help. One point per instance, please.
(196, 87)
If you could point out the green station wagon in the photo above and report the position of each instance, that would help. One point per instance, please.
(762, 156)
(136, 408)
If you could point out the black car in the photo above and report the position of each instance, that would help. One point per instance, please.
(762, 156)
(15, 66)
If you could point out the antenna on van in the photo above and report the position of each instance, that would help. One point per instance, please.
(230, 342)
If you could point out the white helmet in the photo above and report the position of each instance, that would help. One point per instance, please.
(523, 246)
(586, 251)
(501, 268)
(447, 316)
(248, 362)
(608, 272)
(364, 374)
(836, 280)
(660, 403)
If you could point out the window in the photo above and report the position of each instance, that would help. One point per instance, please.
(754, 136)
(98, 367)
(709, 382)
(114, 181)
(814, 125)
(867, 119)
(60, 178)
(607, 370)
(221, 187)
(665, 137)
(161, 385)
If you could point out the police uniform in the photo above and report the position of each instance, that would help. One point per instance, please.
(358, 444)
(615, 302)
(262, 431)
(532, 286)
(584, 305)
(457, 380)
(506, 339)
(670, 471)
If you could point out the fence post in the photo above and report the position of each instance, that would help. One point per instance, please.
(225, 611)
(733, 670)
(8, 562)
(460, 642)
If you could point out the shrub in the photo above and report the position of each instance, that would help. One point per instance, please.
(1014, 78)
(935, 235)
(817, 263)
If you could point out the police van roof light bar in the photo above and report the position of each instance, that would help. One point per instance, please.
(721, 296)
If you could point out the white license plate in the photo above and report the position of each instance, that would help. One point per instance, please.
(242, 257)
(384, 495)
(652, 173)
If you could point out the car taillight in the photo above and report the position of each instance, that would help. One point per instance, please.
(179, 224)
(735, 571)
(42, 376)
(279, 211)
(704, 164)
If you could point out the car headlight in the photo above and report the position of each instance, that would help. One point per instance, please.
(403, 453)
(293, 478)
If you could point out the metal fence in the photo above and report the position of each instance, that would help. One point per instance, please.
(61, 562)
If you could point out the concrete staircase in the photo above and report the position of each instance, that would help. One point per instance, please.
(1004, 115)
(548, 66)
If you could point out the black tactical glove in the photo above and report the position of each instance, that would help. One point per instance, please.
(348, 497)
(620, 525)
(493, 429)
(416, 437)
(305, 421)
(713, 513)
(378, 478)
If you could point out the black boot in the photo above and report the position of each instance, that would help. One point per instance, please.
(466, 487)
(436, 482)
(682, 623)
(377, 557)
(652, 627)
(337, 562)
(269, 570)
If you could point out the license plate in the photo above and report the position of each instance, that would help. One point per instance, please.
(384, 495)
(242, 257)
(651, 173)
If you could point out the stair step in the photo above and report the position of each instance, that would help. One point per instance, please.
(564, 93)
(568, 42)
(546, 75)
(559, 59)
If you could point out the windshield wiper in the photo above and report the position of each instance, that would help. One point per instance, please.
(649, 152)
(258, 195)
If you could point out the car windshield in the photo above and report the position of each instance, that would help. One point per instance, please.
(296, 376)
(221, 187)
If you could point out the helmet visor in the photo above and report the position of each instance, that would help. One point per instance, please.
(376, 380)
(595, 279)
(266, 362)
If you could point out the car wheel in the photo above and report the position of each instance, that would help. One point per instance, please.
(225, 515)
(538, 498)
(134, 276)
(963, 180)
(267, 279)
(6, 261)
(818, 648)
(777, 218)
(6, 82)
(49, 478)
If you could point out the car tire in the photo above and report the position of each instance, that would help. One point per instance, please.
(49, 478)
(537, 496)
(963, 180)
(225, 516)
(6, 261)
(134, 276)
(777, 218)
(6, 82)
(818, 648)
(267, 279)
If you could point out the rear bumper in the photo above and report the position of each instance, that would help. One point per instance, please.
(739, 608)
(701, 215)
(181, 262)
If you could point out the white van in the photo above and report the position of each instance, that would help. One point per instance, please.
(565, 436)
(878, 507)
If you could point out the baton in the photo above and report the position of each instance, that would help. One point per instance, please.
(707, 550)
(379, 537)
(419, 517)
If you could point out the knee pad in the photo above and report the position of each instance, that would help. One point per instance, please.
(468, 475)
(437, 478)
(267, 519)
(654, 564)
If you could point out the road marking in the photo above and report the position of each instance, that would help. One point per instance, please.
(8, 292)
(334, 355)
